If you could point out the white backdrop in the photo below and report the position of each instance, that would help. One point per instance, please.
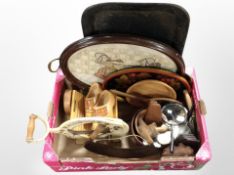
(34, 32)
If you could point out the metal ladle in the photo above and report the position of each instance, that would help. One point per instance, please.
(174, 114)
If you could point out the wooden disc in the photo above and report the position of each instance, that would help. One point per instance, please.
(151, 89)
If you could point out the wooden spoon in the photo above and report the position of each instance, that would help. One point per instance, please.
(141, 99)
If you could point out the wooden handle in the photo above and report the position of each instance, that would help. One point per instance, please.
(123, 94)
(143, 99)
(31, 127)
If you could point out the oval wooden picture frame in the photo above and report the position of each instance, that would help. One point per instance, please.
(92, 59)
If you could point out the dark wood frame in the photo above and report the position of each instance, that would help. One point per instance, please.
(122, 39)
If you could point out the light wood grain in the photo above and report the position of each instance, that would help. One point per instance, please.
(77, 108)
(152, 89)
(31, 128)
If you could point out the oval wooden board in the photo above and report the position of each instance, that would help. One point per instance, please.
(151, 89)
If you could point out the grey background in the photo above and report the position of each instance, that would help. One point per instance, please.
(34, 32)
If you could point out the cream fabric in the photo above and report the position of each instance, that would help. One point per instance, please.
(93, 63)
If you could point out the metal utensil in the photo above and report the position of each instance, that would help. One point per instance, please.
(174, 114)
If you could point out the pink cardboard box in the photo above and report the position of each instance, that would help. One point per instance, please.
(166, 23)
(59, 159)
